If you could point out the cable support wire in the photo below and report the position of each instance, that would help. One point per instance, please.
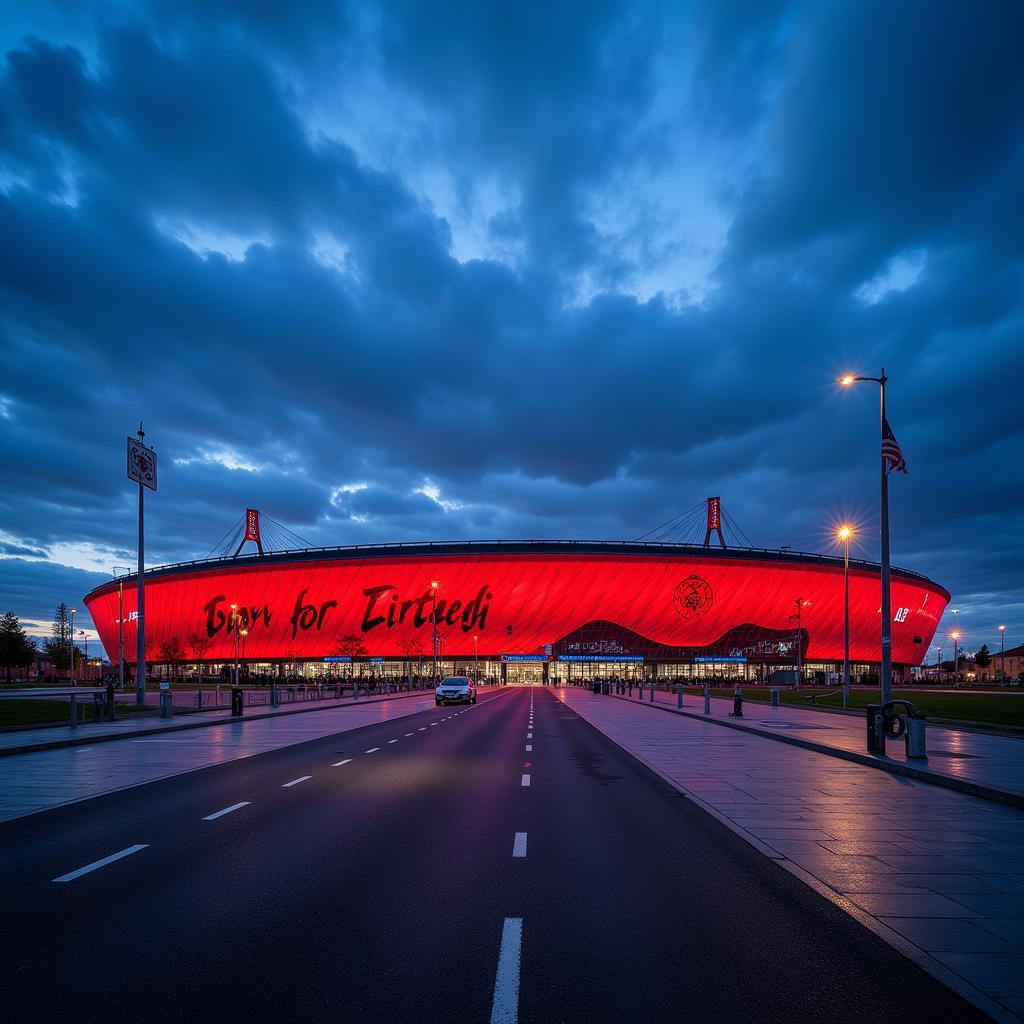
(228, 542)
(736, 529)
(669, 522)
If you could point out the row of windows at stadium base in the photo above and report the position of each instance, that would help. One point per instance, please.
(822, 673)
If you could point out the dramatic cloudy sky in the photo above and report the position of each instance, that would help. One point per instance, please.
(459, 270)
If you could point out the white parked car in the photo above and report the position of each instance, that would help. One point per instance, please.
(455, 690)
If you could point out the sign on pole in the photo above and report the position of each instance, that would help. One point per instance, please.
(141, 463)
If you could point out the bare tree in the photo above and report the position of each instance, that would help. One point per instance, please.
(200, 644)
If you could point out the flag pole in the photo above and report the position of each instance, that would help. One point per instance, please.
(886, 674)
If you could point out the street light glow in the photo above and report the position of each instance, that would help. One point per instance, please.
(845, 532)
(433, 584)
(847, 379)
(955, 635)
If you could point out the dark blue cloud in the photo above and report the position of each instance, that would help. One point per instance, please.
(390, 274)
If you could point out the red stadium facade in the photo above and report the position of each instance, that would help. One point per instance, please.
(519, 602)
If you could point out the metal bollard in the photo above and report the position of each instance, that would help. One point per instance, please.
(915, 738)
(775, 696)
(650, 688)
(237, 702)
(275, 699)
(199, 699)
(872, 736)
(879, 734)
(640, 691)
(707, 700)
(355, 691)
(165, 704)
(679, 695)
(74, 712)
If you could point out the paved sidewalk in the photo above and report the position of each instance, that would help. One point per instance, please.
(28, 740)
(938, 874)
(34, 782)
(974, 757)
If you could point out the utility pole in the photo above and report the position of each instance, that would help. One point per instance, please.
(141, 469)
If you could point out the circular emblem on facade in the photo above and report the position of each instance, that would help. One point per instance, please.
(693, 597)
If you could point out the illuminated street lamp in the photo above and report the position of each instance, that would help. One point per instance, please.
(243, 633)
(801, 604)
(433, 622)
(956, 657)
(120, 625)
(1002, 656)
(886, 662)
(476, 660)
(938, 665)
(234, 637)
(844, 535)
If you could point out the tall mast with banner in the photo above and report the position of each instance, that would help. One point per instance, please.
(141, 469)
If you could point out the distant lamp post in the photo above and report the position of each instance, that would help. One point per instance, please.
(476, 660)
(234, 639)
(956, 657)
(243, 633)
(71, 648)
(120, 624)
(886, 662)
(801, 604)
(938, 665)
(844, 535)
(433, 622)
(85, 644)
(1002, 655)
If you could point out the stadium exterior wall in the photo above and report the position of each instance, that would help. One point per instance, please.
(524, 597)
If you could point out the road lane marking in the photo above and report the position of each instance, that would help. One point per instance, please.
(392, 741)
(505, 1007)
(226, 810)
(338, 764)
(529, 735)
(295, 782)
(408, 734)
(519, 845)
(372, 750)
(422, 728)
(433, 723)
(526, 780)
(529, 747)
(78, 872)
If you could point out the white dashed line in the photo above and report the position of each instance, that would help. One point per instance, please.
(295, 782)
(505, 1008)
(432, 723)
(422, 728)
(526, 780)
(227, 810)
(529, 735)
(407, 735)
(72, 875)
(338, 764)
(372, 750)
(519, 846)
(389, 741)
(529, 746)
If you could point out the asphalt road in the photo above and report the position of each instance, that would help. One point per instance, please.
(386, 889)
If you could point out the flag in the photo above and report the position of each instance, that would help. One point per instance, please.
(891, 449)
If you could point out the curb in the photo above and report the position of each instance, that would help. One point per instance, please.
(81, 741)
(978, 789)
(943, 974)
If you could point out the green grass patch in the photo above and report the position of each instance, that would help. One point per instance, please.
(962, 706)
(44, 712)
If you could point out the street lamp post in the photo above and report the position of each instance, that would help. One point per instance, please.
(476, 660)
(120, 625)
(234, 640)
(886, 661)
(71, 649)
(845, 533)
(1002, 655)
(243, 633)
(800, 605)
(956, 658)
(85, 644)
(938, 665)
(433, 622)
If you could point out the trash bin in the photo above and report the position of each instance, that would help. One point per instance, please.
(915, 737)
(775, 696)
(237, 705)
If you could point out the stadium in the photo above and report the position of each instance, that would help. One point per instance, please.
(522, 611)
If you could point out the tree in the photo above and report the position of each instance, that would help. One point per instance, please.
(984, 657)
(58, 647)
(351, 646)
(17, 650)
(411, 647)
(172, 651)
(200, 644)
